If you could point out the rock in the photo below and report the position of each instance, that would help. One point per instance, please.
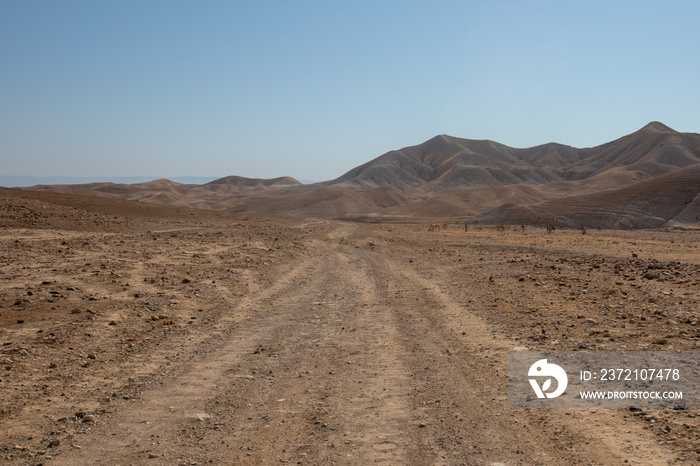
(54, 443)
(199, 416)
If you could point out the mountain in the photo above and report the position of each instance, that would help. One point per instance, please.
(445, 162)
(10, 181)
(219, 194)
(647, 179)
(240, 181)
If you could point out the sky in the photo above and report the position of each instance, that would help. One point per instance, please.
(311, 89)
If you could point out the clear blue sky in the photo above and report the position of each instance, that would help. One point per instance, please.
(312, 89)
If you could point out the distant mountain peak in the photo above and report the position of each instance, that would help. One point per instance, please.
(658, 126)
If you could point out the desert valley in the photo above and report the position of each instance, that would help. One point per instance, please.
(249, 321)
(647, 179)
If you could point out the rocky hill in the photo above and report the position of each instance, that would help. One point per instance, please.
(647, 179)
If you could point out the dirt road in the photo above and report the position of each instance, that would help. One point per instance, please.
(345, 351)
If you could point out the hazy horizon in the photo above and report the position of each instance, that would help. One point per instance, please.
(25, 181)
(312, 89)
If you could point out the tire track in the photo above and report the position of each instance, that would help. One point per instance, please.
(160, 418)
(351, 357)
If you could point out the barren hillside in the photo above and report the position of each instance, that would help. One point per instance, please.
(646, 179)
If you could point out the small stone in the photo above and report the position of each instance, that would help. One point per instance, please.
(20, 321)
(54, 443)
(199, 416)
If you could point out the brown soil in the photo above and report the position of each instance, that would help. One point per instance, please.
(131, 334)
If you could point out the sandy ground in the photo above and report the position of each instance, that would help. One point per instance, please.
(186, 339)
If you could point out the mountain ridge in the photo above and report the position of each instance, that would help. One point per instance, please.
(457, 162)
(615, 184)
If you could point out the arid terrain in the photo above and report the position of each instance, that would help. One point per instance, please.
(646, 179)
(134, 333)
